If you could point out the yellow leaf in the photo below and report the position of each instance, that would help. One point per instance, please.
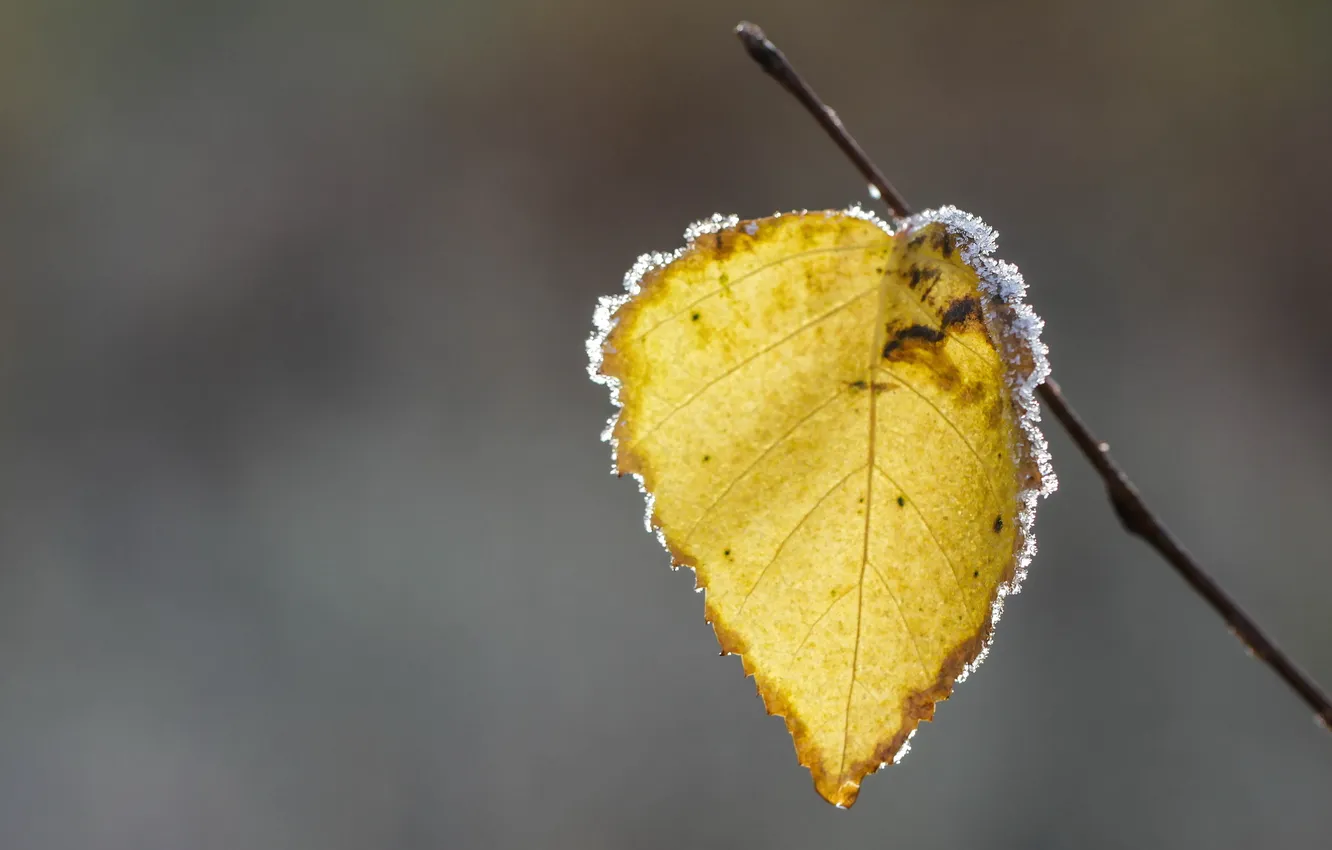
(835, 427)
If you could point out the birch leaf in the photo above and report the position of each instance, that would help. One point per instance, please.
(835, 426)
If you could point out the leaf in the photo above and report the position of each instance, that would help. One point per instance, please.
(835, 427)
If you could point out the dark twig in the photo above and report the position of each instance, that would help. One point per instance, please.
(770, 59)
(1133, 513)
(1138, 519)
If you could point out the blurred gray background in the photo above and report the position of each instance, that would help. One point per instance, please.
(306, 535)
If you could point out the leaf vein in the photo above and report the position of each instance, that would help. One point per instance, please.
(715, 502)
(952, 568)
(750, 359)
(985, 473)
(792, 532)
(815, 625)
(748, 276)
(875, 342)
(920, 657)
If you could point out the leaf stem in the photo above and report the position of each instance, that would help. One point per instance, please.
(1128, 505)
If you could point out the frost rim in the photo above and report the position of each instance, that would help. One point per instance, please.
(1005, 283)
(1001, 280)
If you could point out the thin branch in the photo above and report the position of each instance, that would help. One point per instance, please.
(1133, 513)
(771, 60)
(1138, 519)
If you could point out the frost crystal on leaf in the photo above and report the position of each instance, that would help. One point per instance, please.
(1025, 352)
(603, 322)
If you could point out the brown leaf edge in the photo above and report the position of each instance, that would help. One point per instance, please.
(1017, 329)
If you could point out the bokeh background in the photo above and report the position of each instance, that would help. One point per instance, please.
(306, 534)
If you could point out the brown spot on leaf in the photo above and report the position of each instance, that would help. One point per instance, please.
(919, 344)
(943, 242)
(901, 338)
(917, 275)
(961, 311)
(973, 393)
(725, 243)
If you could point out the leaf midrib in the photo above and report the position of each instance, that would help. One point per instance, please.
(875, 346)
